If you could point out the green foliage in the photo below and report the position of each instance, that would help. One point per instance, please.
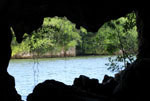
(56, 34)
(59, 34)
(126, 35)
(111, 37)
(19, 48)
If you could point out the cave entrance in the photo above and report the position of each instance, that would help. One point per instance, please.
(58, 37)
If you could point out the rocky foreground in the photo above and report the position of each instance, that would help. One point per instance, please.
(129, 85)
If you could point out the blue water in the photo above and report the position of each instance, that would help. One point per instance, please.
(29, 72)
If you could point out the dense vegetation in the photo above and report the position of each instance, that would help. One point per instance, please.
(59, 34)
(56, 34)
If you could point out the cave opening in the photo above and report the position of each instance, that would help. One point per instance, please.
(58, 37)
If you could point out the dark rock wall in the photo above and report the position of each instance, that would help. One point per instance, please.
(7, 88)
(134, 83)
(143, 22)
(7, 82)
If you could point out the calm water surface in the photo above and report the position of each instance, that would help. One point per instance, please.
(29, 72)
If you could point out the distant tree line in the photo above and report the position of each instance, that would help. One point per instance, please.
(58, 33)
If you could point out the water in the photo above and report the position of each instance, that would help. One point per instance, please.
(29, 72)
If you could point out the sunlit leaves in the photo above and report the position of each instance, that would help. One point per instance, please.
(126, 34)
(55, 35)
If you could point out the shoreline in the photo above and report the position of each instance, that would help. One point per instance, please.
(69, 53)
(42, 57)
